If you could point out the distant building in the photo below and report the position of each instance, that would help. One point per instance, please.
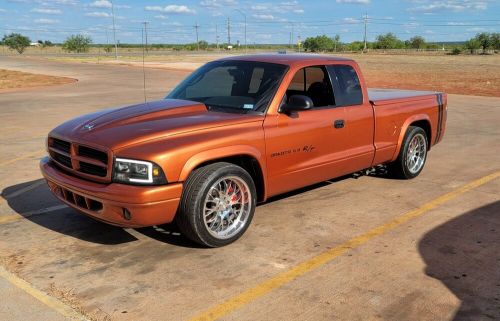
(34, 44)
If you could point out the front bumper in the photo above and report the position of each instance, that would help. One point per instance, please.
(147, 205)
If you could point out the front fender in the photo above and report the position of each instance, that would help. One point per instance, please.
(221, 153)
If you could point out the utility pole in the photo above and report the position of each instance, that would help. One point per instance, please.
(145, 23)
(114, 29)
(292, 35)
(196, 26)
(244, 16)
(217, 36)
(228, 31)
(366, 21)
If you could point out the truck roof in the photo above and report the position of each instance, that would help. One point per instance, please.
(287, 59)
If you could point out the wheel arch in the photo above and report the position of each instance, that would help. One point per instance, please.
(246, 157)
(422, 121)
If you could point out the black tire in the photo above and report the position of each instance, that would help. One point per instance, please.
(400, 168)
(190, 216)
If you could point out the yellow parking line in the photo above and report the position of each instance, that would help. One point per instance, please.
(315, 262)
(46, 299)
(13, 160)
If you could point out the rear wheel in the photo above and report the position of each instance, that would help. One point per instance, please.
(412, 156)
(217, 204)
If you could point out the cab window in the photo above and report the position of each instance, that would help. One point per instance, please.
(346, 84)
(313, 82)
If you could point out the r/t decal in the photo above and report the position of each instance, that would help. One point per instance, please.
(305, 149)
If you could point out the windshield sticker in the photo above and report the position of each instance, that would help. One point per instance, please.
(248, 106)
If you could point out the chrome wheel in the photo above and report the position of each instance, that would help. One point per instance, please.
(227, 207)
(415, 155)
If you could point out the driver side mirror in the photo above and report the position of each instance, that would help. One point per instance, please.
(297, 103)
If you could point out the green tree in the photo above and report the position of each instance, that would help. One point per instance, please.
(336, 41)
(417, 42)
(388, 41)
(203, 44)
(495, 40)
(77, 43)
(484, 40)
(16, 41)
(473, 45)
(319, 43)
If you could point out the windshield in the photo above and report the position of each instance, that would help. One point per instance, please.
(231, 85)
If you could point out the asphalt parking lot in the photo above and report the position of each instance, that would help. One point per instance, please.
(355, 248)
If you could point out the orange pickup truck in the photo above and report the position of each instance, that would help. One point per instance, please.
(233, 133)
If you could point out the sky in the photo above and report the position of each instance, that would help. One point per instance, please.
(267, 21)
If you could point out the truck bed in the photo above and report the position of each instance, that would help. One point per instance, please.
(389, 96)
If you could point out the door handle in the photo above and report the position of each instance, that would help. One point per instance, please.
(339, 123)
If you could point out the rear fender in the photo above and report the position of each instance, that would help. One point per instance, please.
(404, 129)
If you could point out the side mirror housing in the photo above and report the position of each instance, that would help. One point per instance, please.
(297, 103)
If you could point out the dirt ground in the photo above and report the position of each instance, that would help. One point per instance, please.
(12, 80)
(443, 264)
(477, 75)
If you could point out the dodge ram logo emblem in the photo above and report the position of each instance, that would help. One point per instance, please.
(89, 126)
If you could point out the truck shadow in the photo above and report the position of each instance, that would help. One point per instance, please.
(464, 254)
(34, 201)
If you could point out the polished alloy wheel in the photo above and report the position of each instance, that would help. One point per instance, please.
(227, 207)
(415, 156)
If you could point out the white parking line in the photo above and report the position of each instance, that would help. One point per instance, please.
(15, 217)
(23, 190)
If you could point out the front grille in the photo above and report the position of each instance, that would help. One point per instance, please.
(84, 161)
(93, 153)
(61, 145)
(65, 160)
(77, 200)
(93, 169)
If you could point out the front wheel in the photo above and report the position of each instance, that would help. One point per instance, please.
(217, 204)
(412, 156)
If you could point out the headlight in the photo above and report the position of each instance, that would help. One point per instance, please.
(137, 172)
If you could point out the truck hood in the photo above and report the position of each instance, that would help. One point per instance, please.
(117, 128)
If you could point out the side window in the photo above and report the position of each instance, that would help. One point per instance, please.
(348, 88)
(297, 82)
(313, 82)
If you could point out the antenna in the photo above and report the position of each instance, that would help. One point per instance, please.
(143, 32)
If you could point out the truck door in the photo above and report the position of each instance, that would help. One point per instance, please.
(310, 146)
(359, 116)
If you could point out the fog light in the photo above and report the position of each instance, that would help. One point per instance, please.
(126, 214)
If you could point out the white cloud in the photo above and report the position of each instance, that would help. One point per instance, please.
(46, 11)
(217, 3)
(107, 4)
(162, 17)
(43, 21)
(264, 16)
(428, 6)
(98, 14)
(172, 8)
(3, 10)
(101, 4)
(351, 20)
(354, 1)
(277, 8)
